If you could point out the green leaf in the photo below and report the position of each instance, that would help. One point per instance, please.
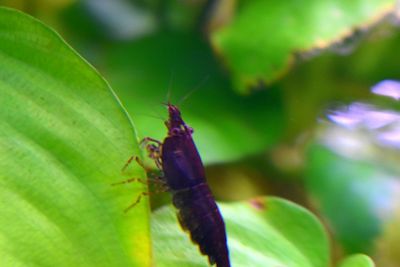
(259, 44)
(357, 261)
(263, 232)
(227, 126)
(63, 140)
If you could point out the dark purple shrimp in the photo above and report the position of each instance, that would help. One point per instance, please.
(184, 176)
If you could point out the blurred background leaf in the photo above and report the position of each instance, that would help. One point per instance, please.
(387, 245)
(259, 43)
(182, 63)
(357, 261)
(356, 196)
(352, 167)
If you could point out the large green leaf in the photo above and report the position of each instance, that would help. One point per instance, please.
(259, 44)
(265, 232)
(63, 140)
(227, 126)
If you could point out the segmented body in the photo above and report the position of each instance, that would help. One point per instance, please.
(185, 178)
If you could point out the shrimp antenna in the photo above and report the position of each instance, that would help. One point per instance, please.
(198, 86)
(151, 116)
(171, 79)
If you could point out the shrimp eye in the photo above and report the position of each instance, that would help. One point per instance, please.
(175, 131)
(190, 130)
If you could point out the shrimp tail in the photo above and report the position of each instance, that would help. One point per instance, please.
(199, 215)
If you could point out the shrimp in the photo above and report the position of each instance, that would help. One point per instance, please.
(184, 176)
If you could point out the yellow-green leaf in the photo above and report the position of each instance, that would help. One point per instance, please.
(64, 138)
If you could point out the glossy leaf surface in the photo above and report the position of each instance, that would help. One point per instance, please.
(64, 138)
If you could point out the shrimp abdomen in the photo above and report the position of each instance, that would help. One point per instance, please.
(199, 215)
